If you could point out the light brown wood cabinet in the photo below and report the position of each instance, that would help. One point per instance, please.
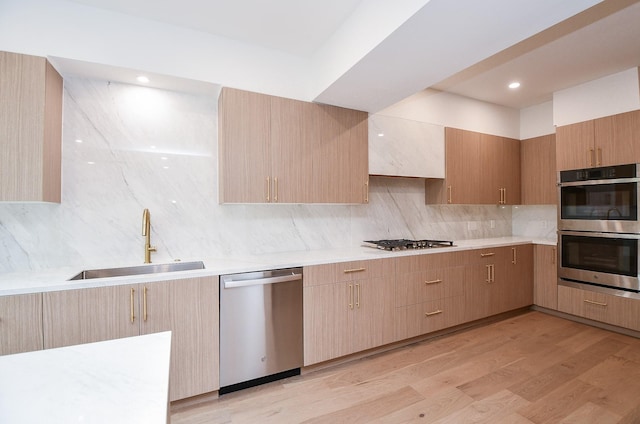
(610, 309)
(498, 280)
(429, 293)
(30, 129)
(611, 140)
(20, 323)
(545, 276)
(348, 307)
(276, 150)
(186, 307)
(479, 169)
(538, 171)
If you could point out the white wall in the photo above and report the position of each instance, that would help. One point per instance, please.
(451, 110)
(606, 96)
(536, 121)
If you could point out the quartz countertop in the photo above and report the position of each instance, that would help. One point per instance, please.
(117, 381)
(57, 279)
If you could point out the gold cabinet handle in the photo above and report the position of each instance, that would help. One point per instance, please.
(484, 255)
(433, 281)
(504, 196)
(144, 304)
(428, 314)
(268, 189)
(553, 256)
(488, 273)
(493, 273)
(501, 201)
(366, 192)
(358, 296)
(599, 157)
(449, 194)
(275, 189)
(349, 271)
(131, 303)
(514, 259)
(350, 296)
(592, 302)
(591, 157)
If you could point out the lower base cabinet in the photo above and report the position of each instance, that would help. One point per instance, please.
(545, 277)
(186, 307)
(348, 307)
(610, 309)
(20, 323)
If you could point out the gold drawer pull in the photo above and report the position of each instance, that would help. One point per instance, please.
(484, 255)
(350, 296)
(594, 302)
(131, 303)
(428, 314)
(348, 271)
(433, 282)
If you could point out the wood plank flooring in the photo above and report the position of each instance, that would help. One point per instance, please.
(532, 368)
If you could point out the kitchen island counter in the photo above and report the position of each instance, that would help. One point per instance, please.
(116, 381)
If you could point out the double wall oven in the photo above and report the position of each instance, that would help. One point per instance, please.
(598, 227)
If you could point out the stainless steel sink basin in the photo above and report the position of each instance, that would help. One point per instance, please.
(137, 270)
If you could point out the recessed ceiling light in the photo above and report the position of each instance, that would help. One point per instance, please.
(514, 85)
(91, 163)
(163, 158)
(142, 79)
(78, 140)
(380, 134)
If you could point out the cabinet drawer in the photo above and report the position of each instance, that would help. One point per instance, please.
(416, 263)
(490, 255)
(426, 317)
(347, 271)
(610, 309)
(439, 283)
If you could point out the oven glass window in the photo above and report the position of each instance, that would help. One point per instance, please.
(600, 254)
(600, 201)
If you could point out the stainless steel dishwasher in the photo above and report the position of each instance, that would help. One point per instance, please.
(260, 327)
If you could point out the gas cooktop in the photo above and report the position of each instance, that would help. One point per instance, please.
(403, 244)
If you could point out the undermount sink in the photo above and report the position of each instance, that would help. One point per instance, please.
(137, 270)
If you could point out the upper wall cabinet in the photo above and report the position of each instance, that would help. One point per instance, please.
(538, 170)
(30, 129)
(405, 148)
(480, 169)
(612, 140)
(276, 150)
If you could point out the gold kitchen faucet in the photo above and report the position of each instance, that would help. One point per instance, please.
(146, 231)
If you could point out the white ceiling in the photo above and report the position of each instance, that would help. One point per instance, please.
(467, 47)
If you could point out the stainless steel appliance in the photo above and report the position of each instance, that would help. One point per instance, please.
(260, 327)
(603, 259)
(403, 244)
(600, 199)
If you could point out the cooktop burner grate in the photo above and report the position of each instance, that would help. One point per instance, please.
(403, 244)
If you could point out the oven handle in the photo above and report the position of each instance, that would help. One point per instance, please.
(599, 235)
(599, 182)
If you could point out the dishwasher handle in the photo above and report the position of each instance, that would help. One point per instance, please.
(262, 281)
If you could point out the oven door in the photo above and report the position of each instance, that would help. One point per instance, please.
(603, 205)
(605, 259)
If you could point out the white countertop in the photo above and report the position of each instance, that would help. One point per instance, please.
(57, 279)
(117, 381)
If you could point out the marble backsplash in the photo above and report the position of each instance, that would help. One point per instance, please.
(126, 148)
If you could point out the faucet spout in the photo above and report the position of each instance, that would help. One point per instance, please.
(146, 231)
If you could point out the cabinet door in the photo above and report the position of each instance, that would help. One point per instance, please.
(575, 146)
(327, 330)
(340, 154)
(90, 315)
(244, 146)
(492, 169)
(189, 309)
(20, 323)
(463, 173)
(617, 139)
(30, 129)
(291, 151)
(545, 277)
(519, 284)
(372, 315)
(510, 170)
(538, 171)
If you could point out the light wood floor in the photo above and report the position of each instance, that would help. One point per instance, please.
(532, 368)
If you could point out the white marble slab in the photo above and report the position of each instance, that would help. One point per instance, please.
(117, 381)
(405, 148)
